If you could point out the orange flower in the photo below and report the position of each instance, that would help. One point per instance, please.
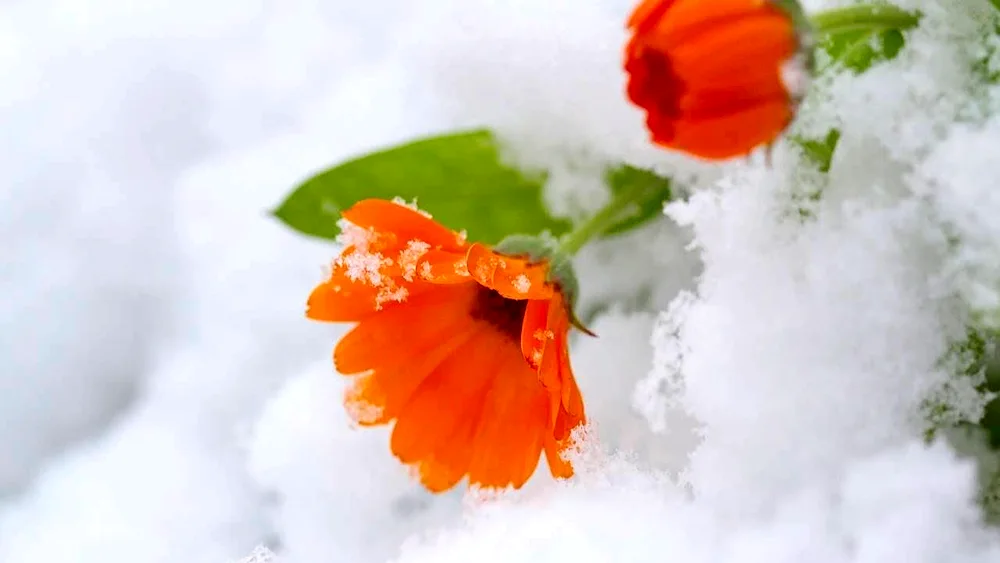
(465, 348)
(709, 73)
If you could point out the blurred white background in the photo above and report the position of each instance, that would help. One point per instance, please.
(163, 399)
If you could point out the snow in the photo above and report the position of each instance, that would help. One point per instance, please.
(341, 494)
(765, 364)
(869, 514)
(260, 555)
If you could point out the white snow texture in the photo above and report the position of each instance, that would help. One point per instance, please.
(759, 385)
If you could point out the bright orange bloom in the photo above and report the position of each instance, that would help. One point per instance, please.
(464, 348)
(709, 73)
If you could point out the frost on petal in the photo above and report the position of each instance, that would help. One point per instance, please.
(412, 205)
(358, 400)
(543, 335)
(410, 257)
(390, 292)
(353, 236)
(373, 268)
(522, 284)
(364, 266)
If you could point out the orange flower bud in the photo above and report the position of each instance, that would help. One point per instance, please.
(712, 74)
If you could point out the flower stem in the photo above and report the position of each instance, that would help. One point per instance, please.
(601, 221)
(871, 17)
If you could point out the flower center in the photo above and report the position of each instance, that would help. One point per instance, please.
(505, 315)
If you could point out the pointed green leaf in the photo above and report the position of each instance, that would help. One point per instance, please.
(858, 50)
(459, 178)
(820, 152)
(648, 190)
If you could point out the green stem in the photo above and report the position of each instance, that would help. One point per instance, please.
(601, 221)
(872, 17)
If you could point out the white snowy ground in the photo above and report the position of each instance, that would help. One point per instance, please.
(162, 399)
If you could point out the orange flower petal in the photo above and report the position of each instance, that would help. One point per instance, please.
(340, 300)
(403, 221)
(409, 273)
(560, 440)
(647, 13)
(435, 429)
(396, 356)
(512, 428)
(765, 37)
(514, 278)
(379, 396)
(683, 20)
(422, 323)
(533, 331)
(558, 467)
(723, 136)
(442, 267)
(482, 264)
(571, 398)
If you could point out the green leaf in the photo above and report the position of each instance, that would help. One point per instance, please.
(459, 178)
(820, 152)
(858, 50)
(650, 190)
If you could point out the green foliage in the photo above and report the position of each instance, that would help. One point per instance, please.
(820, 152)
(970, 358)
(459, 178)
(858, 50)
(647, 192)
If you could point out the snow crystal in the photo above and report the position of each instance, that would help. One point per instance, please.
(365, 267)
(412, 205)
(353, 236)
(260, 554)
(410, 257)
(522, 284)
(358, 408)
